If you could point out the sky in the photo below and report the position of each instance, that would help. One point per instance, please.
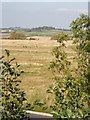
(44, 0)
(35, 14)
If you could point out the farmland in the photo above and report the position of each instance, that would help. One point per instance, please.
(39, 31)
(45, 61)
(35, 56)
(43, 32)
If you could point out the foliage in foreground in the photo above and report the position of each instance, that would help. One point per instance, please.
(12, 97)
(71, 86)
(81, 33)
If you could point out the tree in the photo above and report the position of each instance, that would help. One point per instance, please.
(71, 86)
(81, 32)
(12, 97)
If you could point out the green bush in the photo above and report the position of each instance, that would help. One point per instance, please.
(71, 86)
(12, 97)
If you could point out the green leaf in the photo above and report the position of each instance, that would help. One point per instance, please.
(69, 113)
(2, 57)
(49, 91)
(38, 103)
(12, 60)
(7, 52)
(55, 114)
(81, 114)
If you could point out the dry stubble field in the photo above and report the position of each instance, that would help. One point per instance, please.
(35, 56)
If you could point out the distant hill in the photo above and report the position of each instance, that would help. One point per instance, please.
(42, 28)
(38, 29)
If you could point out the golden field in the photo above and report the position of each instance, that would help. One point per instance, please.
(35, 56)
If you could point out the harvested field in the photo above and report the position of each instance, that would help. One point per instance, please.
(35, 56)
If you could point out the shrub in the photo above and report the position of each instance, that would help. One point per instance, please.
(71, 85)
(57, 36)
(12, 97)
(15, 35)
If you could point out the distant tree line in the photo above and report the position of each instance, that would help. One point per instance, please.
(33, 29)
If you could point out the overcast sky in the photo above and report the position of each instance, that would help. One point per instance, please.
(35, 14)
